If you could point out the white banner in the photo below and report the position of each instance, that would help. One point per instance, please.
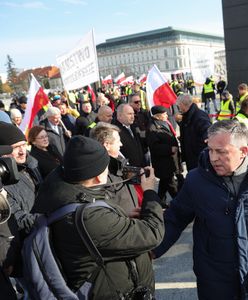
(79, 67)
(201, 63)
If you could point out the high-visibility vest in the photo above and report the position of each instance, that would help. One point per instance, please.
(242, 119)
(208, 88)
(92, 125)
(242, 98)
(224, 110)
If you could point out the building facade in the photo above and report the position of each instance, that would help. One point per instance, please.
(236, 42)
(172, 50)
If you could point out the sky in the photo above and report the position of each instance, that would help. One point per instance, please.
(33, 33)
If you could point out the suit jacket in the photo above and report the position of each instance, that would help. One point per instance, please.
(131, 146)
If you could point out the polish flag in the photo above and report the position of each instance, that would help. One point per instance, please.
(128, 80)
(37, 99)
(91, 92)
(120, 78)
(158, 89)
(107, 79)
(142, 78)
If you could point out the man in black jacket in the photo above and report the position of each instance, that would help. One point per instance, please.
(124, 243)
(20, 195)
(131, 144)
(124, 192)
(193, 130)
(163, 145)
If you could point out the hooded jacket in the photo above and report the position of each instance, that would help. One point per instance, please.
(118, 238)
(219, 208)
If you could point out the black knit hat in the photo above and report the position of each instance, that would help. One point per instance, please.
(158, 109)
(84, 158)
(10, 134)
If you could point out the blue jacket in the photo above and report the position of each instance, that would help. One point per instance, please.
(220, 251)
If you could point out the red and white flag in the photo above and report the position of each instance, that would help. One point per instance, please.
(142, 78)
(108, 79)
(120, 78)
(91, 92)
(128, 80)
(37, 99)
(158, 89)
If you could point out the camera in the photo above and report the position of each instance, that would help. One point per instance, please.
(8, 175)
(8, 171)
(133, 174)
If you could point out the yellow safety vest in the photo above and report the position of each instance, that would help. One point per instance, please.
(208, 88)
(224, 110)
(242, 119)
(242, 98)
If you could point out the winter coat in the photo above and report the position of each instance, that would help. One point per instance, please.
(58, 140)
(160, 141)
(47, 160)
(118, 238)
(21, 195)
(220, 235)
(131, 146)
(193, 133)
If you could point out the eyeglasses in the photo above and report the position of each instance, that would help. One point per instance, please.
(137, 102)
(42, 137)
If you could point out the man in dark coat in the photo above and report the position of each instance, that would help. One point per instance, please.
(163, 145)
(131, 145)
(123, 192)
(215, 197)
(7, 291)
(20, 195)
(141, 121)
(122, 242)
(57, 135)
(193, 130)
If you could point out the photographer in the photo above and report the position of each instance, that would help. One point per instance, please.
(124, 193)
(21, 195)
(123, 242)
(8, 245)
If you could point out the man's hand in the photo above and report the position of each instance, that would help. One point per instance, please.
(148, 183)
(135, 213)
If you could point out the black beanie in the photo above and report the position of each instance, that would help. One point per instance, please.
(10, 134)
(84, 158)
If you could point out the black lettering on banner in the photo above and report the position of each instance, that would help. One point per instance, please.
(81, 73)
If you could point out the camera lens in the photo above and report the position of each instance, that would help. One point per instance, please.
(4, 209)
(3, 172)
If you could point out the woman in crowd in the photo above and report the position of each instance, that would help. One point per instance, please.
(47, 156)
(16, 116)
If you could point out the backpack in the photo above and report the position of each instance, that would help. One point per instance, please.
(41, 272)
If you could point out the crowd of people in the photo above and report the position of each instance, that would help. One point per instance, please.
(115, 148)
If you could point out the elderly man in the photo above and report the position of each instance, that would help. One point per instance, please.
(131, 145)
(193, 130)
(21, 197)
(124, 193)
(215, 197)
(57, 135)
(105, 114)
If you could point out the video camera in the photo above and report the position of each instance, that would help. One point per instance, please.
(8, 175)
(133, 173)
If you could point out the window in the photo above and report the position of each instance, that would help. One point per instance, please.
(165, 53)
(167, 65)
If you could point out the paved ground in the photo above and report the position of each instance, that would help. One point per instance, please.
(174, 277)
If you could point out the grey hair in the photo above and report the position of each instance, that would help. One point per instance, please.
(103, 132)
(238, 131)
(185, 99)
(52, 111)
